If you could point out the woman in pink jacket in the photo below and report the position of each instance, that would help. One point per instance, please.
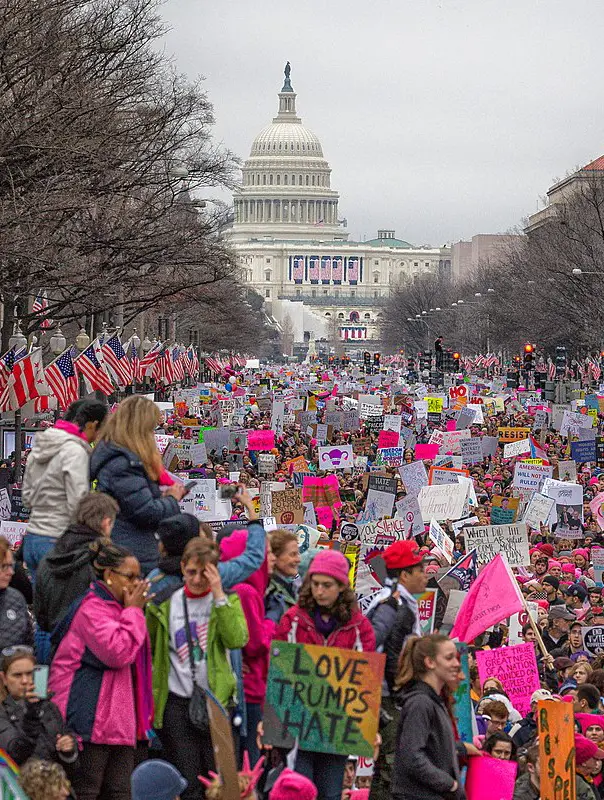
(326, 614)
(101, 674)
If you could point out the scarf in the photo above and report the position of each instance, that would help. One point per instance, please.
(412, 603)
(324, 627)
(192, 596)
(72, 428)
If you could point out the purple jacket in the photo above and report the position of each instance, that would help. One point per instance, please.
(104, 700)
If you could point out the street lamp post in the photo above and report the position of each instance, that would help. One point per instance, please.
(82, 342)
(16, 342)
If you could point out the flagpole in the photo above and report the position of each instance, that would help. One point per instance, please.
(535, 628)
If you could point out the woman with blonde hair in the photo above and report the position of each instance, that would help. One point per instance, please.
(128, 466)
(44, 780)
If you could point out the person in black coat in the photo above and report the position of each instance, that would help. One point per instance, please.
(30, 726)
(127, 465)
(426, 765)
(66, 572)
(16, 623)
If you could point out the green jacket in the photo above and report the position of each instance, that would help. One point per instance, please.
(227, 630)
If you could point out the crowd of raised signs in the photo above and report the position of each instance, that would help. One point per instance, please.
(310, 583)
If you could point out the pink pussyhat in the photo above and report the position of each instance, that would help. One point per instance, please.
(291, 785)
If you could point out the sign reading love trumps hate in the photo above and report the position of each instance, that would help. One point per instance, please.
(326, 697)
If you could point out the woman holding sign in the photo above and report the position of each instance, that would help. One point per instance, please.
(326, 614)
(426, 764)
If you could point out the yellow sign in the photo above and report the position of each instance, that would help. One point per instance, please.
(513, 434)
(435, 405)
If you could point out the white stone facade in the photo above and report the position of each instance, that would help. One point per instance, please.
(292, 245)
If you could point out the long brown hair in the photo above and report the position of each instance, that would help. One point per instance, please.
(412, 663)
(132, 426)
(344, 606)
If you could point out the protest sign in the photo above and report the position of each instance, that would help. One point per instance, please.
(201, 499)
(464, 419)
(439, 476)
(530, 477)
(378, 504)
(336, 457)
(435, 404)
(392, 422)
(516, 668)
(222, 745)
(489, 445)
(162, 440)
(277, 419)
(393, 456)
(519, 620)
(441, 539)
(593, 639)
(597, 560)
(426, 451)
(14, 532)
(454, 603)
(463, 708)
(216, 439)
(556, 736)
(518, 448)
(287, 508)
(490, 779)
(489, 540)
(381, 483)
(471, 450)
(351, 551)
(266, 464)
(5, 504)
(564, 493)
(567, 471)
(509, 434)
(452, 441)
(426, 604)
(583, 452)
(349, 684)
(442, 502)
(382, 531)
(349, 532)
(260, 440)
(388, 438)
(503, 510)
(408, 509)
(458, 393)
(198, 454)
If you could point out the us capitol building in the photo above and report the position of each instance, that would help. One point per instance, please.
(293, 248)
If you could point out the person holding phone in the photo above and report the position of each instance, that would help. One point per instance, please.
(101, 674)
(30, 723)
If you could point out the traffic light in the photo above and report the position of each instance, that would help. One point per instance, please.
(529, 356)
(560, 361)
(447, 364)
(456, 362)
(367, 362)
(376, 362)
(425, 361)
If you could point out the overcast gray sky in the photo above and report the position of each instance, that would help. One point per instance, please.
(440, 118)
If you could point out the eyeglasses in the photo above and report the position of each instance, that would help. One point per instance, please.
(7, 567)
(7, 652)
(128, 575)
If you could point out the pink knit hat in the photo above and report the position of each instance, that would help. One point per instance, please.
(291, 785)
(332, 563)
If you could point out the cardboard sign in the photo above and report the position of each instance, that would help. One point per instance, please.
(489, 540)
(442, 502)
(556, 734)
(516, 668)
(426, 604)
(507, 434)
(222, 744)
(349, 685)
(593, 639)
(287, 507)
(336, 457)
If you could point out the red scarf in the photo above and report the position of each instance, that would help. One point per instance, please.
(192, 596)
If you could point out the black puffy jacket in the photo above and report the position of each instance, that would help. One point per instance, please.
(16, 624)
(120, 473)
(31, 729)
(63, 575)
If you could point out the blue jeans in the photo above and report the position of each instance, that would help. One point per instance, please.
(326, 771)
(35, 547)
(254, 715)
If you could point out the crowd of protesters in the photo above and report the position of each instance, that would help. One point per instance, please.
(137, 608)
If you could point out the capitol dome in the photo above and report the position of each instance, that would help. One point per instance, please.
(285, 190)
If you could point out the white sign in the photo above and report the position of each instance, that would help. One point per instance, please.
(13, 531)
(563, 492)
(519, 448)
(392, 422)
(201, 500)
(413, 476)
(471, 450)
(336, 457)
(538, 510)
(530, 477)
(5, 504)
(408, 510)
(198, 454)
(489, 540)
(441, 539)
(442, 502)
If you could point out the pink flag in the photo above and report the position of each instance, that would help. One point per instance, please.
(388, 439)
(427, 451)
(493, 596)
(260, 440)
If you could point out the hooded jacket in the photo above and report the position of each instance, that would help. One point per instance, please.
(63, 575)
(426, 763)
(251, 595)
(56, 478)
(121, 474)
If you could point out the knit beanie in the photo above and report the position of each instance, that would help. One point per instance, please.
(331, 563)
(175, 532)
(291, 785)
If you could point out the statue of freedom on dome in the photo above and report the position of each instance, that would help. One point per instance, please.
(287, 71)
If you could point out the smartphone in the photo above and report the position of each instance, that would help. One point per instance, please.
(41, 681)
(228, 490)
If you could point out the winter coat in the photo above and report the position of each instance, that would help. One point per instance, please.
(121, 474)
(524, 789)
(63, 575)
(226, 631)
(16, 626)
(525, 730)
(298, 626)
(93, 671)
(56, 478)
(392, 623)
(31, 729)
(426, 761)
(280, 596)
(260, 630)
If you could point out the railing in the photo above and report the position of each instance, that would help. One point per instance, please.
(334, 300)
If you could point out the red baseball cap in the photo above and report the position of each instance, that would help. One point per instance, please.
(402, 554)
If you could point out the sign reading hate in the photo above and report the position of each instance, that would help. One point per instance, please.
(325, 697)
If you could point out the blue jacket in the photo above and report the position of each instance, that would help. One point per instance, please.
(120, 473)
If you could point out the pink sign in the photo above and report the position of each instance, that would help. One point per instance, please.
(450, 424)
(490, 778)
(260, 440)
(388, 439)
(516, 668)
(427, 451)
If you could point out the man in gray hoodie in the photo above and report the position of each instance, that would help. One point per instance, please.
(57, 477)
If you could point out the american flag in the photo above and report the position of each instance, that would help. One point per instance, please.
(179, 364)
(45, 403)
(149, 359)
(62, 379)
(199, 634)
(213, 365)
(191, 362)
(7, 362)
(551, 369)
(90, 364)
(117, 361)
(40, 305)
(25, 383)
(137, 372)
(163, 370)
